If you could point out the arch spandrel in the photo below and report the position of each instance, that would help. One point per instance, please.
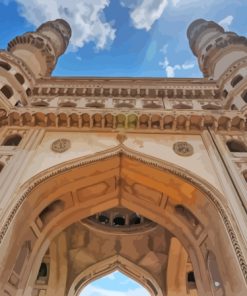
(157, 146)
(48, 186)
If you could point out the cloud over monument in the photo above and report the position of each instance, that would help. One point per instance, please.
(226, 22)
(86, 19)
(145, 12)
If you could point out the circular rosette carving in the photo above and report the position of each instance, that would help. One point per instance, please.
(183, 148)
(60, 145)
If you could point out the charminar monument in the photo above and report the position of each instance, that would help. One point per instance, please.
(147, 176)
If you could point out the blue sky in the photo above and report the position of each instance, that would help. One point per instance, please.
(114, 284)
(123, 37)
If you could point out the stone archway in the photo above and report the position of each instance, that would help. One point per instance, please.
(109, 265)
(170, 196)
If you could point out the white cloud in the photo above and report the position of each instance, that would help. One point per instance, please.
(164, 63)
(188, 65)
(111, 276)
(178, 3)
(226, 22)
(170, 70)
(164, 49)
(145, 12)
(175, 2)
(91, 290)
(86, 18)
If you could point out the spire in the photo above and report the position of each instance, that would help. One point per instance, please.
(222, 56)
(41, 49)
(215, 49)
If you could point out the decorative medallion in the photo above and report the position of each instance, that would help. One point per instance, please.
(183, 148)
(60, 145)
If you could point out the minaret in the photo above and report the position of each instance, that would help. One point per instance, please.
(222, 56)
(41, 49)
(29, 57)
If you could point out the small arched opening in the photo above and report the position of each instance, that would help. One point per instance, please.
(5, 66)
(20, 78)
(115, 276)
(13, 140)
(43, 272)
(7, 91)
(115, 283)
(236, 80)
(236, 146)
(244, 96)
(119, 221)
(28, 92)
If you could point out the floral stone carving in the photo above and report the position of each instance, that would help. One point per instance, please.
(60, 145)
(183, 148)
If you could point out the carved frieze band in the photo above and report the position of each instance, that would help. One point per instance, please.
(202, 185)
(131, 119)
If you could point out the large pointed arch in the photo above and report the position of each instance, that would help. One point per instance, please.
(109, 265)
(61, 190)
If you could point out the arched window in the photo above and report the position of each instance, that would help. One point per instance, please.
(19, 78)
(13, 140)
(236, 80)
(43, 271)
(244, 96)
(28, 92)
(5, 66)
(118, 221)
(191, 281)
(236, 146)
(219, 39)
(7, 91)
(135, 219)
(103, 219)
(209, 47)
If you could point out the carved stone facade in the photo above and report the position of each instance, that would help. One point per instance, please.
(144, 175)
